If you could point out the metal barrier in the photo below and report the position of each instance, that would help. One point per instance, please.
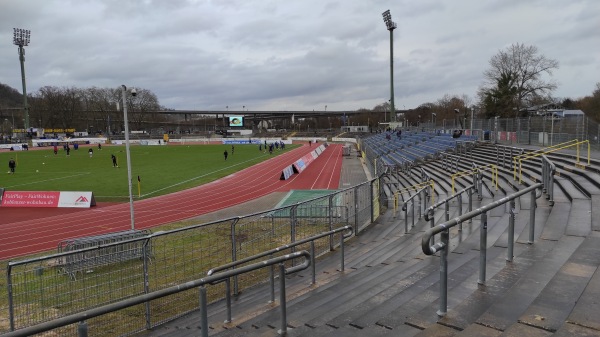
(429, 214)
(38, 292)
(422, 194)
(198, 283)
(270, 253)
(477, 170)
(447, 164)
(444, 228)
(548, 172)
(85, 260)
(501, 154)
(554, 148)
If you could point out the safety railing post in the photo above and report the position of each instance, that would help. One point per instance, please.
(293, 214)
(470, 194)
(272, 280)
(420, 203)
(203, 312)
(82, 329)
(228, 299)
(342, 252)
(431, 224)
(445, 238)
(511, 232)
(234, 253)
(544, 175)
(460, 209)
(551, 189)
(356, 210)
(331, 246)
(480, 186)
(282, 303)
(482, 248)
(374, 194)
(532, 218)
(146, 257)
(9, 288)
(413, 212)
(312, 262)
(405, 208)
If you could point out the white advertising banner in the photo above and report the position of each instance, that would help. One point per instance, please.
(76, 199)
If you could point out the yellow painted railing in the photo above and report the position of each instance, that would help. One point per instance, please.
(409, 189)
(519, 159)
(492, 167)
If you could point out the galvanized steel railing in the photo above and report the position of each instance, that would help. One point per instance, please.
(444, 228)
(430, 213)
(548, 171)
(81, 317)
(348, 233)
(37, 293)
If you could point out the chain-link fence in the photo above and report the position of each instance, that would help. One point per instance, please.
(39, 290)
(539, 130)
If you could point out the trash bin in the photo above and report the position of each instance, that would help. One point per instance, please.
(486, 135)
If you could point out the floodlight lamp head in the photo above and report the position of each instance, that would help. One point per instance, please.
(21, 37)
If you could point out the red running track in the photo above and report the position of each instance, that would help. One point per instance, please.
(25, 232)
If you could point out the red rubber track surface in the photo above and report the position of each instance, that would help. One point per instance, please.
(26, 231)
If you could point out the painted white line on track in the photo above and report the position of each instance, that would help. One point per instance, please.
(46, 180)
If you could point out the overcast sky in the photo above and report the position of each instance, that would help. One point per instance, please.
(293, 54)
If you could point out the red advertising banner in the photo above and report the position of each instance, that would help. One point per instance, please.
(47, 199)
(30, 199)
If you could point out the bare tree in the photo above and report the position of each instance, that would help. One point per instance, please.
(514, 80)
(143, 107)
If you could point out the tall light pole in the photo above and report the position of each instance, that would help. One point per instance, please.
(21, 39)
(472, 108)
(128, 155)
(387, 18)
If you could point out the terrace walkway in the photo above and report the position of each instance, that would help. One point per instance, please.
(390, 288)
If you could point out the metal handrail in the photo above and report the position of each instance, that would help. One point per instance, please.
(105, 309)
(518, 150)
(548, 172)
(443, 244)
(234, 264)
(429, 213)
(422, 205)
(538, 153)
(282, 248)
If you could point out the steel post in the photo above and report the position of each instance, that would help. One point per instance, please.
(511, 231)
(228, 299)
(445, 238)
(482, 248)
(532, 218)
(82, 329)
(282, 303)
(203, 312)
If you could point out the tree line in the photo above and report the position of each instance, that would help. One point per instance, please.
(97, 110)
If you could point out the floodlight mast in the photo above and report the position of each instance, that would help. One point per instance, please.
(387, 18)
(128, 154)
(21, 39)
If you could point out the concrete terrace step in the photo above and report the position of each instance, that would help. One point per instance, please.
(570, 190)
(556, 301)
(511, 291)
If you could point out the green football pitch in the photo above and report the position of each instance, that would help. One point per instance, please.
(161, 169)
